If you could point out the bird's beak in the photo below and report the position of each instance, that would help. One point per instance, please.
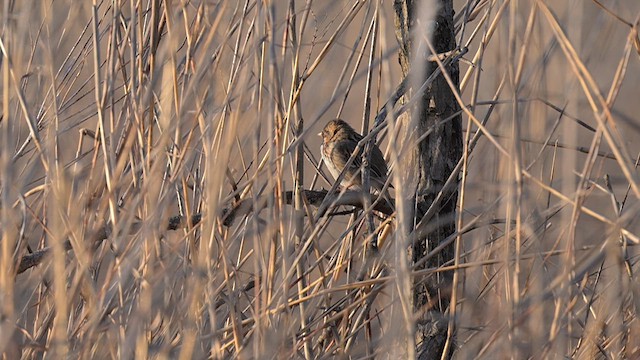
(320, 134)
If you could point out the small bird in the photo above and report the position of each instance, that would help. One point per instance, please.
(339, 140)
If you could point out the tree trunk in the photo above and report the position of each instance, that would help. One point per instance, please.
(436, 157)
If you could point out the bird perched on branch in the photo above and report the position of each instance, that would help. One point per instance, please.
(339, 141)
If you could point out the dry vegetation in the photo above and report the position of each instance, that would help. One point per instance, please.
(192, 110)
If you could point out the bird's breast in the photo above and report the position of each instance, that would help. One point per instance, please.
(326, 151)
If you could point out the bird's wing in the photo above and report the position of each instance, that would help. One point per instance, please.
(379, 167)
(342, 152)
(377, 164)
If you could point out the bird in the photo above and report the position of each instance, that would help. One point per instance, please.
(339, 141)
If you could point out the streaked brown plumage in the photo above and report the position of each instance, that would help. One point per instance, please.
(339, 140)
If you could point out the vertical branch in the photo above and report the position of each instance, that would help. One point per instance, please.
(154, 42)
(294, 104)
(7, 232)
(437, 155)
(373, 244)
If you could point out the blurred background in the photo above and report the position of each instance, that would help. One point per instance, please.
(117, 116)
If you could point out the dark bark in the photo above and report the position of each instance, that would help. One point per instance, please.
(436, 157)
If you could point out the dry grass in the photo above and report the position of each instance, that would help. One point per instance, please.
(186, 112)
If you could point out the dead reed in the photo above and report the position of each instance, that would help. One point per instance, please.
(121, 120)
